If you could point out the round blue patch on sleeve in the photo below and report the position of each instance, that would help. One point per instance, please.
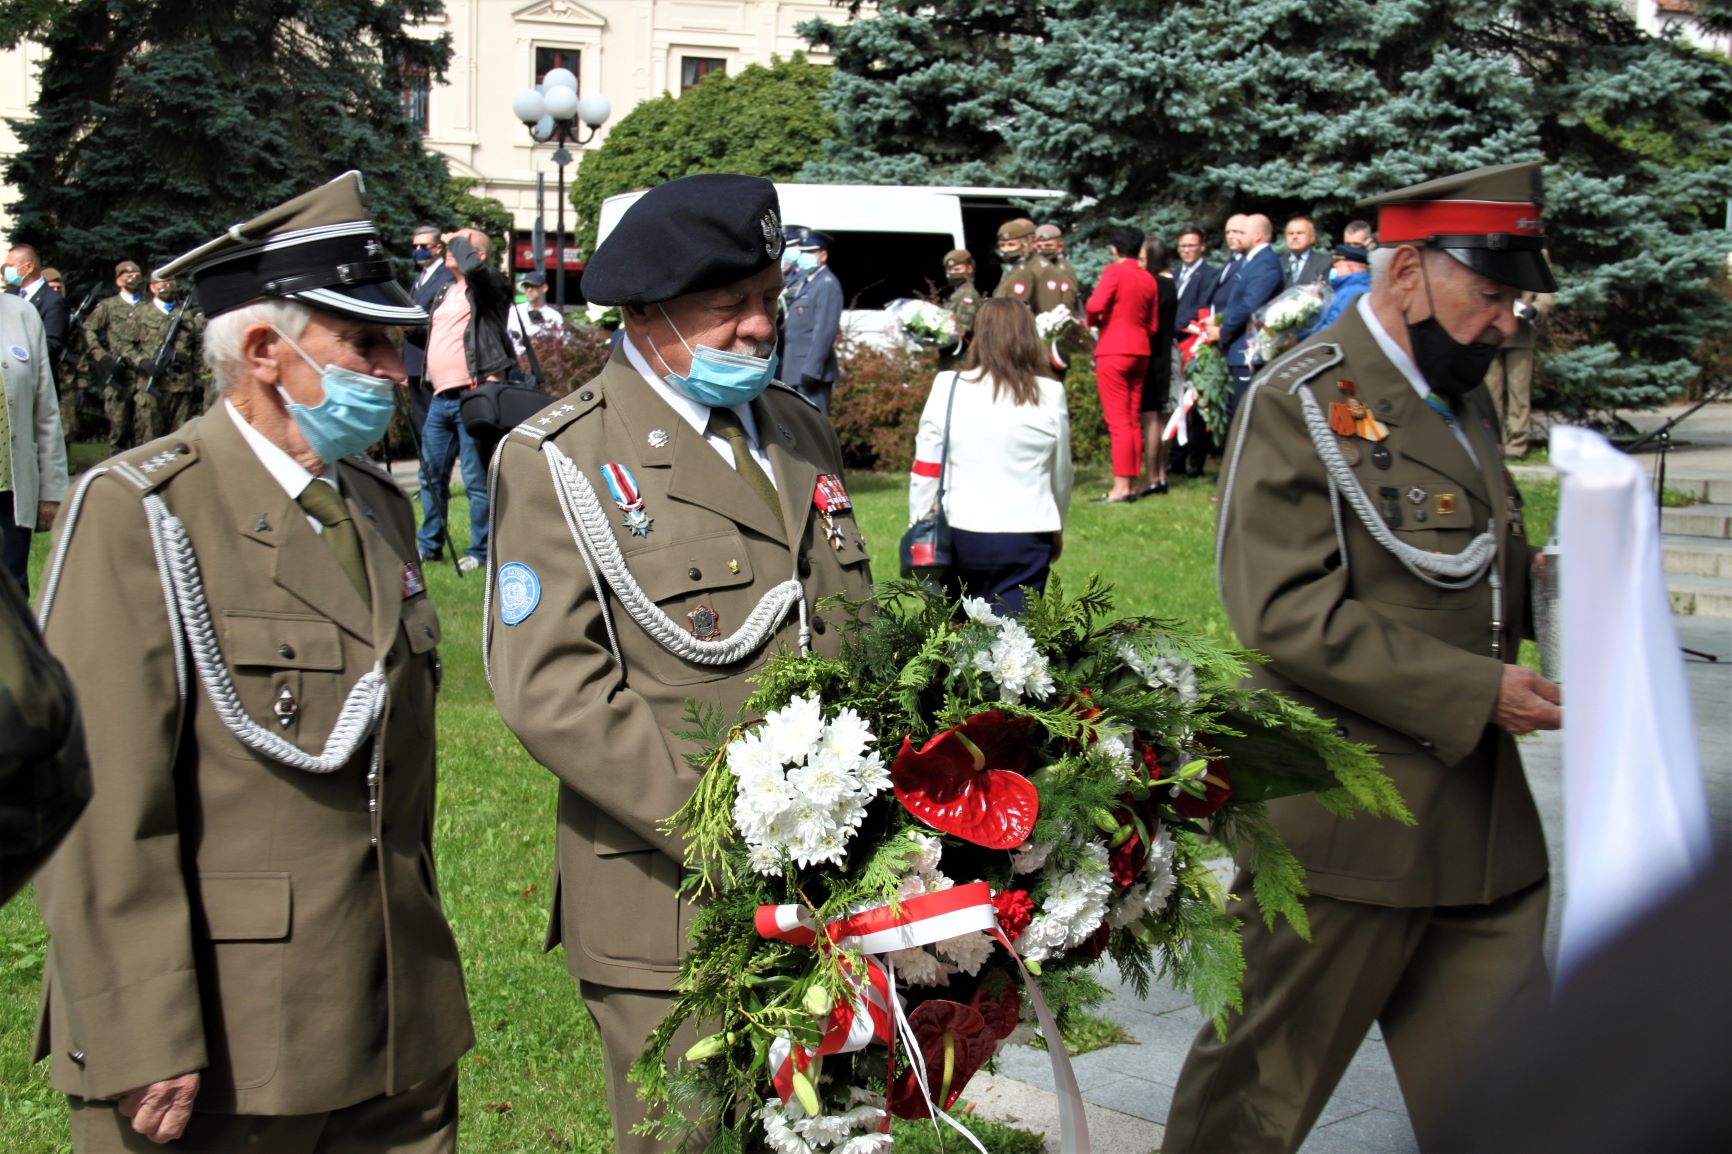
(519, 592)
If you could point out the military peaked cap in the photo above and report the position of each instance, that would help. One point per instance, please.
(1016, 229)
(958, 256)
(320, 249)
(686, 236)
(1048, 232)
(1351, 252)
(125, 267)
(1488, 219)
(815, 240)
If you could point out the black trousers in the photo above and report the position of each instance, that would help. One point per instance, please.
(996, 566)
(15, 541)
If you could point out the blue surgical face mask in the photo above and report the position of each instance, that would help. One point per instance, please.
(12, 277)
(806, 261)
(354, 415)
(422, 254)
(719, 379)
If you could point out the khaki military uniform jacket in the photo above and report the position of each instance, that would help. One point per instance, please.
(1058, 277)
(1405, 667)
(1025, 281)
(215, 909)
(605, 731)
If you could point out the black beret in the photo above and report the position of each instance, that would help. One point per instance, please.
(686, 236)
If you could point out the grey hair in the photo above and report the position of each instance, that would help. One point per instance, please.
(222, 334)
(1380, 260)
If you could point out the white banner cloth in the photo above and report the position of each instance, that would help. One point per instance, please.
(1635, 810)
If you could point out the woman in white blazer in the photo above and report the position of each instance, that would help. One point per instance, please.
(33, 458)
(1006, 467)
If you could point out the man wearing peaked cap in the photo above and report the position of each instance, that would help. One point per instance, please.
(963, 303)
(1022, 278)
(247, 949)
(1371, 544)
(718, 485)
(814, 308)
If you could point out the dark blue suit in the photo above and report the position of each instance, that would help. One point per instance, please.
(1198, 294)
(56, 317)
(1258, 282)
(814, 320)
(1224, 284)
(1201, 292)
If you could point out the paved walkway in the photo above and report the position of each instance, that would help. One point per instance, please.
(1130, 1088)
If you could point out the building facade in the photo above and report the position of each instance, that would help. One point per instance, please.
(628, 50)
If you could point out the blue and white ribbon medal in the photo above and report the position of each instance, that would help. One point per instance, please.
(623, 486)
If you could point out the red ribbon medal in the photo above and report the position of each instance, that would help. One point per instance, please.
(831, 498)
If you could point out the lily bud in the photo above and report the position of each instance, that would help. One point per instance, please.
(1104, 820)
(1121, 836)
(808, 1095)
(705, 1048)
(819, 1001)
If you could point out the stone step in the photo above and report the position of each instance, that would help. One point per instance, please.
(1709, 520)
(1714, 488)
(1701, 596)
(1697, 556)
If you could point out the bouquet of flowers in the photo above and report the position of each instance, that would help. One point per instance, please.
(925, 322)
(1205, 370)
(904, 852)
(1059, 330)
(1276, 326)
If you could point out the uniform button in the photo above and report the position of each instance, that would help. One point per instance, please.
(695, 573)
(76, 1056)
(286, 650)
(390, 658)
(1340, 731)
(586, 395)
(427, 629)
(180, 447)
(804, 566)
(1425, 745)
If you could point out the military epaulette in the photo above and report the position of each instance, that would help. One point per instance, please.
(558, 415)
(146, 468)
(795, 392)
(1301, 365)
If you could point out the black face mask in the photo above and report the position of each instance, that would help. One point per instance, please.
(956, 277)
(1448, 366)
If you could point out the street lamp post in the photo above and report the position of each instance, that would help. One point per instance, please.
(551, 111)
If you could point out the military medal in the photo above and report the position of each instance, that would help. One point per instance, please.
(623, 486)
(1357, 421)
(1381, 458)
(1390, 498)
(1446, 504)
(285, 707)
(413, 582)
(658, 438)
(1341, 421)
(831, 498)
(706, 624)
(1349, 453)
(1416, 495)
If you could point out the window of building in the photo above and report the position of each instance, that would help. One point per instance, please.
(694, 68)
(417, 89)
(547, 59)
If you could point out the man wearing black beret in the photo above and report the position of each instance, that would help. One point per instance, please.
(638, 524)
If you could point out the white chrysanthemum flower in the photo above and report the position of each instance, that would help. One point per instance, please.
(1114, 744)
(847, 736)
(765, 859)
(1078, 900)
(792, 731)
(867, 1144)
(826, 1129)
(760, 799)
(1154, 660)
(1015, 664)
(823, 780)
(918, 967)
(976, 609)
(1043, 938)
(873, 775)
(931, 852)
(777, 1132)
(1030, 856)
(967, 953)
(749, 755)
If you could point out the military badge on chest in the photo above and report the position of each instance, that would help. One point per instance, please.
(705, 622)
(1350, 418)
(831, 498)
(623, 486)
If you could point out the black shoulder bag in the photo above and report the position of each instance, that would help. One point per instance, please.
(926, 550)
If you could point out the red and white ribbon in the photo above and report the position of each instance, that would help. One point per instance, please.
(1177, 425)
(922, 920)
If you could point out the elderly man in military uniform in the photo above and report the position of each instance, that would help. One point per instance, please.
(1049, 247)
(1023, 277)
(1371, 543)
(640, 523)
(114, 342)
(962, 303)
(247, 949)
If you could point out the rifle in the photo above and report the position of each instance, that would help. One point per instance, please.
(155, 368)
(72, 324)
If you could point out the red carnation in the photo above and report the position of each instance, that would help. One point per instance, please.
(1150, 762)
(1015, 910)
(1127, 861)
(1217, 788)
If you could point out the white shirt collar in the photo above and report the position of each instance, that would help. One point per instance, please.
(25, 292)
(695, 413)
(1396, 354)
(284, 469)
(1255, 249)
(161, 306)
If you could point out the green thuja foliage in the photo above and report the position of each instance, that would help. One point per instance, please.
(160, 122)
(1164, 113)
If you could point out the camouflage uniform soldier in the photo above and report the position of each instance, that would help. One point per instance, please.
(180, 384)
(113, 335)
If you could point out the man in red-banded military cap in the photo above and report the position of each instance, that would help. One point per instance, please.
(1371, 543)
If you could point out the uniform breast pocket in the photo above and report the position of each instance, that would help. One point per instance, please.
(281, 664)
(1432, 515)
(706, 586)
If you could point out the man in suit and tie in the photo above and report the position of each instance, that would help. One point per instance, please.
(430, 283)
(707, 469)
(1255, 285)
(24, 278)
(1234, 230)
(1303, 264)
(1196, 280)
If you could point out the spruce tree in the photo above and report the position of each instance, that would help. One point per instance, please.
(1163, 112)
(160, 122)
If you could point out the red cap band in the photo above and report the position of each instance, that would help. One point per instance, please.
(1403, 223)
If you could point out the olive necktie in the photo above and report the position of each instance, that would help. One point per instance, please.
(324, 502)
(727, 423)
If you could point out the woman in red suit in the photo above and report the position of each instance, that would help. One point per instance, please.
(1123, 308)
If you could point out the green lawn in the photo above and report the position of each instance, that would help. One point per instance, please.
(533, 1081)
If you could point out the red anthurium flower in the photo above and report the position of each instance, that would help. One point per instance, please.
(1015, 911)
(955, 1042)
(999, 1004)
(964, 781)
(1217, 788)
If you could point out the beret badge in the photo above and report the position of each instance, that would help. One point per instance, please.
(772, 230)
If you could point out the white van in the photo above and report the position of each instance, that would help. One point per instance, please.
(887, 242)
